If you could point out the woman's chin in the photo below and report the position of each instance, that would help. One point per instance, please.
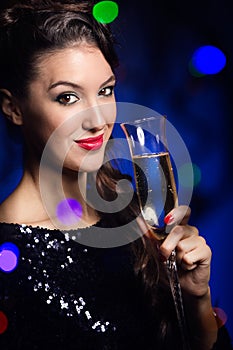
(90, 163)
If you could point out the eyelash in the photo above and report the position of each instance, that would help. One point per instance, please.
(111, 88)
(67, 94)
(64, 95)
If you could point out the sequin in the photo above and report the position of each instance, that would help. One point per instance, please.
(70, 304)
(69, 291)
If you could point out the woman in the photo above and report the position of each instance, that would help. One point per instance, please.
(57, 85)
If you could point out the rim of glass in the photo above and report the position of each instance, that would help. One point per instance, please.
(142, 120)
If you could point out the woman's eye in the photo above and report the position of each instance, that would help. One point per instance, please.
(67, 99)
(107, 91)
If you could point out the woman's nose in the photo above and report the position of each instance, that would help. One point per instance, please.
(94, 118)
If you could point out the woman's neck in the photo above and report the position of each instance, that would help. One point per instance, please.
(40, 194)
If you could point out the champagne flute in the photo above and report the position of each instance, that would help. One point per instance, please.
(156, 190)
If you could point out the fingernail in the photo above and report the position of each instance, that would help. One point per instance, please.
(168, 219)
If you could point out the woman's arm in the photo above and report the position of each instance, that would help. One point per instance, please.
(201, 321)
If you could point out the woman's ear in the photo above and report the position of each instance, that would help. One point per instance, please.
(10, 107)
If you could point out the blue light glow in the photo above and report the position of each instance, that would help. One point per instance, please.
(207, 60)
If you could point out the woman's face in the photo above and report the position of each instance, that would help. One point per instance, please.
(70, 106)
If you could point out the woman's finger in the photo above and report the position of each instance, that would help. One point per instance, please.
(187, 245)
(192, 251)
(177, 234)
(200, 256)
(178, 215)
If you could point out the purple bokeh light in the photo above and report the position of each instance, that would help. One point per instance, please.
(69, 211)
(9, 254)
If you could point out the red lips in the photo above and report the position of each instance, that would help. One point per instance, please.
(91, 143)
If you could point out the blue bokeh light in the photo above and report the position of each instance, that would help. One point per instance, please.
(208, 60)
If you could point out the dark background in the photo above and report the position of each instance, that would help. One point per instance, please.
(157, 40)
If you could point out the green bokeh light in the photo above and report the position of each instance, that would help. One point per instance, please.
(105, 11)
(184, 172)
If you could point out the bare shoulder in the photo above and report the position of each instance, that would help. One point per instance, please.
(9, 209)
(24, 207)
(19, 206)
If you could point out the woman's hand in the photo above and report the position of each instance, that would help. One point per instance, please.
(193, 254)
(193, 261)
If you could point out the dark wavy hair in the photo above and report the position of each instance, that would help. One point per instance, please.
(30, 29)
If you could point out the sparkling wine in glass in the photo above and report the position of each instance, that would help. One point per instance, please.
(156, 190)
(153, 171)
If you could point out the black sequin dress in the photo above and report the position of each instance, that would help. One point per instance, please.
(65, 295)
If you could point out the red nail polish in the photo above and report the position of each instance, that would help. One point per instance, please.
(168, 219)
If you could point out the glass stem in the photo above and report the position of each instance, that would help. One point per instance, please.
(177, 297)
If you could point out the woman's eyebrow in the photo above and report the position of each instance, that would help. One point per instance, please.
(64, 83)
(76, 86)
(111, 79)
